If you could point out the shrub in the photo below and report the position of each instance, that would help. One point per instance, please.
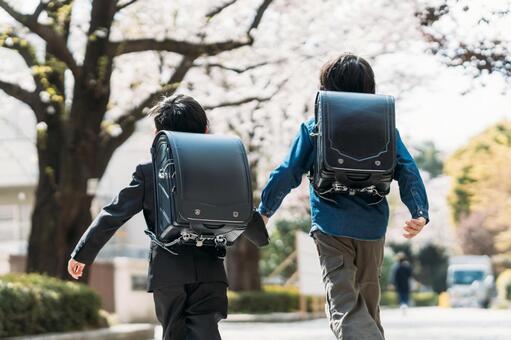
(425, 299)
(272, 299)
(420, 299)
(504, 285)
(287, 299)
(33, 304)
(266, 301)
(389, 298)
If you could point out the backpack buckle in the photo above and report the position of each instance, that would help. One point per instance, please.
(339, 187)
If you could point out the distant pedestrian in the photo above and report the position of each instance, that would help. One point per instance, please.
(401, 280)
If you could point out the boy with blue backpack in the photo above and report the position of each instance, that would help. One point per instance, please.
(350, 212)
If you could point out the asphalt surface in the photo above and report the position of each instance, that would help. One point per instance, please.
(426, 323)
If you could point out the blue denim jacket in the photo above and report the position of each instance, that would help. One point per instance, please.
(352, 216)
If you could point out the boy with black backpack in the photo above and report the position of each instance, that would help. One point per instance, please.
(350, 213)
(190, 286)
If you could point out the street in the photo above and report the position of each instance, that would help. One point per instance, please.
(427, 323)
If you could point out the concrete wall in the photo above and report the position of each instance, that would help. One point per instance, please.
(132, 302)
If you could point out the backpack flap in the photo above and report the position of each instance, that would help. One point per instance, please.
(213, 185)
(359, 131)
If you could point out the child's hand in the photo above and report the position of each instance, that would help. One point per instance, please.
(265, 219)
(75, 268)
(413, 227)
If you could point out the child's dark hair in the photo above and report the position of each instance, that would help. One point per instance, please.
(348, 73)
(179, 113)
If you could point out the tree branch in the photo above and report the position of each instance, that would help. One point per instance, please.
(238, 70)
(38, 10)
(56, 44)
(124, 5)
(187, 48)
(259, 14)
(217, 10)
(27, 97)
(127, 122)
(238, 102)
(177, 46)
(17, 92)
(12, 41)
(258, 99)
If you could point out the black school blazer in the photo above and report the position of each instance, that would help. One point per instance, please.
(191, 265)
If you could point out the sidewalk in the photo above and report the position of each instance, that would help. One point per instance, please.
(119, 332)
(274, 317)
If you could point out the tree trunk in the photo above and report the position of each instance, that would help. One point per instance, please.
(61, 210)
(242, 259)
(57, 225)
(67, 160)
(243, 266)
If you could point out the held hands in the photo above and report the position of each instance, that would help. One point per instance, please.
(75, 268)
(413, 227)
(265, 219)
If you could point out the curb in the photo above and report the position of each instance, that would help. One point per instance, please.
(274, 317)
(118, 332)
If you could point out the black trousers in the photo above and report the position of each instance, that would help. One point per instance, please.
(191, 311)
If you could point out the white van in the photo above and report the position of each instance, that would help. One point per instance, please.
(470, 281)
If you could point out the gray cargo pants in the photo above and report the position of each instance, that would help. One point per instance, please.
(351, 270)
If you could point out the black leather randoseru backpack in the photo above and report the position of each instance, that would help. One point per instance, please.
(355, 143)
(203, 194)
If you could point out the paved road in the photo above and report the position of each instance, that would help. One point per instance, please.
(418, 324)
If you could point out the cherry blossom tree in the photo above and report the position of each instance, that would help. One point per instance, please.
(469, 34)
(73, 50)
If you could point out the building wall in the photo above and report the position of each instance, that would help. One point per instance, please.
(132, 302)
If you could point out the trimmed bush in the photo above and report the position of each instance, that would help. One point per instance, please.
(287, 299)
(504, 285)
(389, 298)
(271, 299)
(422, 299)
(34, 304)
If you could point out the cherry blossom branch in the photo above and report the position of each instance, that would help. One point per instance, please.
(188, 48)
(56, 44)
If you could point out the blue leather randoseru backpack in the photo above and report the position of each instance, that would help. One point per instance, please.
(355, 142)
(203, 194)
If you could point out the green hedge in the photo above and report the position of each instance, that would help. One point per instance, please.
(271, 299)
(388, 298)
(420, 299)
(425, 299)
(504, 285)
(287, 299)
(34, 304)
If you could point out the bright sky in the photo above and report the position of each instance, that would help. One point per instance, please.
(443, 114)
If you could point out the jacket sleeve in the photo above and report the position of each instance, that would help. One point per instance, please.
(289, 174)
(127, 203)
(411, 187)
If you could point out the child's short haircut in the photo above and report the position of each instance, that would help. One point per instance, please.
(179, 113)
(348, 73)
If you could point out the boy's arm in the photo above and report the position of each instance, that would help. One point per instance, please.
(289, 174)
(127, 203)
(411, 189)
